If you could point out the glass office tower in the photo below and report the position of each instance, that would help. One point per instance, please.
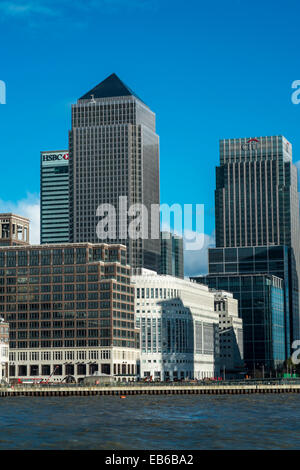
(230, 262)
(114, 152)
(55, 196)
(14, 230)
(257, 204)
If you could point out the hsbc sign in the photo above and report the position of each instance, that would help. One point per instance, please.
(49, 158)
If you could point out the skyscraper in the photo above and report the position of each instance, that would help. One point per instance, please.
(257, 203)
(67, 319)
(114, 153)
(55, 196)
(262, 309)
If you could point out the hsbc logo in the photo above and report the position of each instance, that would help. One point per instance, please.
(55, 156)
(251, 144)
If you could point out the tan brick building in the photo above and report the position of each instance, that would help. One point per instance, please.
(71, 310)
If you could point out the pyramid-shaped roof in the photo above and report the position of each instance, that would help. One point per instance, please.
(110, 87)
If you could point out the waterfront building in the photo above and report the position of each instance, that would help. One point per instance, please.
(70, 308)
(257, 204)
(4, 349)
(171, 255)
(262, 309)
(230, 335)
(54, 196)
(272, 260)
(178, 327)
(114, 160)
(14, 230)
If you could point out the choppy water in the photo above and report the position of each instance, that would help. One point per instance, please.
(151, 422)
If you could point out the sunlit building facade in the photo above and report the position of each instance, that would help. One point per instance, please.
(70, 308)
(171, 262)
(230, 335)
(179, 328)
(54, 196)
(14, 230)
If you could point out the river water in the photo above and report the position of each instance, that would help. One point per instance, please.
(151, 422)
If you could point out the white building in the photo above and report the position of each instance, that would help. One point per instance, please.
(231, 334)
(55, 364)
(178, 327)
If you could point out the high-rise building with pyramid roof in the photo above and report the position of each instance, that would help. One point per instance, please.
(114, 153)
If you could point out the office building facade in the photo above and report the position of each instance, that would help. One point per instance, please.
(171, 262)
(114, 160)
(179, 328)
(262, 309)
(257, 204)
(54, 218)
(71, 310)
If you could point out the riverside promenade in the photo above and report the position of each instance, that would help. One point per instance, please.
(126, 389)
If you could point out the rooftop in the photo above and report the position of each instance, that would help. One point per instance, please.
(111, 87)
(6, 215)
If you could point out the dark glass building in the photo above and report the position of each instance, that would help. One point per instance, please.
(55, 196)
(262, 308)
(14, 230)
(257, 204)
(252, 259)
(171, 255)
(114, 153)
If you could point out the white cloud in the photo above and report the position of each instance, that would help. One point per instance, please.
(28, 207)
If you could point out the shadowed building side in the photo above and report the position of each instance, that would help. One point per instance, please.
(257, 204)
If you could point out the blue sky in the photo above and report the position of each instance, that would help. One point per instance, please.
(209, 70)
